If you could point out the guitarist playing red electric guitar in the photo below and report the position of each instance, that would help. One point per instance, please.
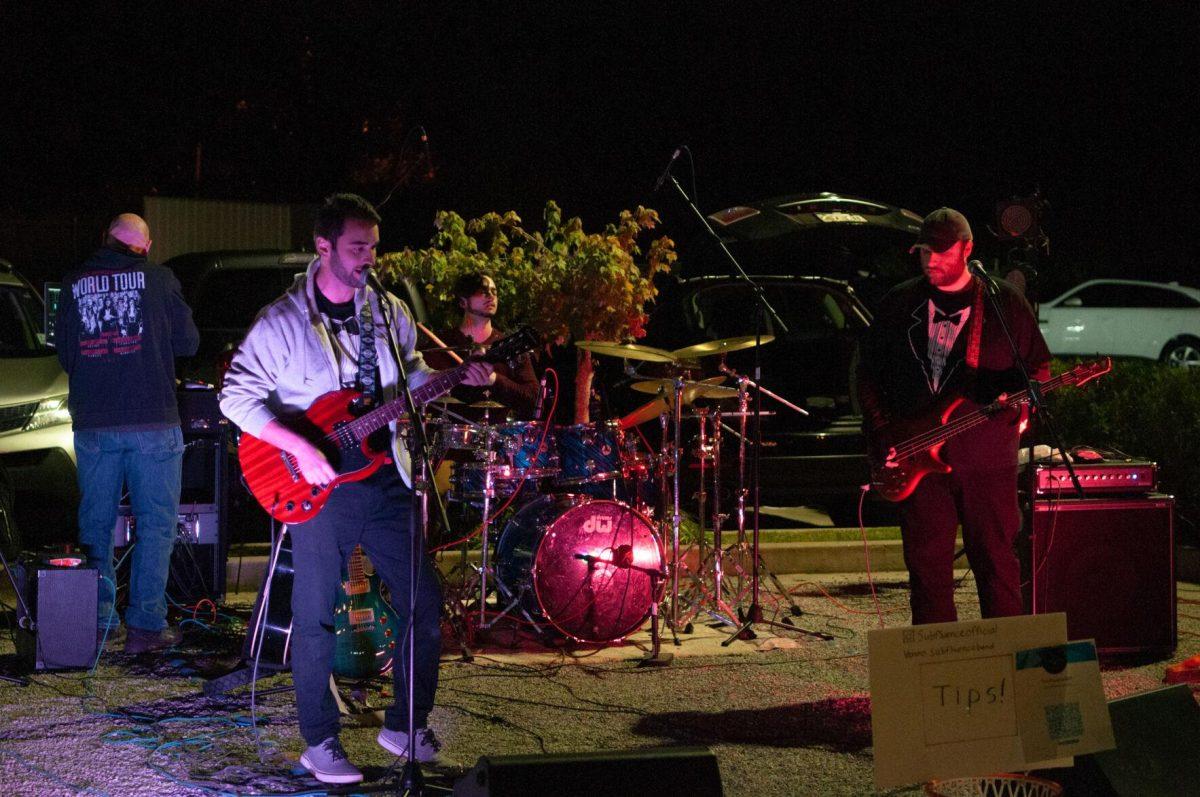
(936, 353)
(337, 471)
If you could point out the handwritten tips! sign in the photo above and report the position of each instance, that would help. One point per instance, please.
(942, 697)
(967, 699)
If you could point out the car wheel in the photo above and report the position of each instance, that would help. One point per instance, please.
(1184, 351)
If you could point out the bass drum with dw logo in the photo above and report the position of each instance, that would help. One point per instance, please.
(582, 564)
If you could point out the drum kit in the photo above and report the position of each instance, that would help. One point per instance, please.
(592, 544)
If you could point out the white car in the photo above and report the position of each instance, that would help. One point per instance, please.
(36, 444)
(1125, 318)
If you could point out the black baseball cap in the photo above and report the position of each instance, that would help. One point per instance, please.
(941, 229)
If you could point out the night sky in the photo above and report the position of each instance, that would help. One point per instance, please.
(917, 105)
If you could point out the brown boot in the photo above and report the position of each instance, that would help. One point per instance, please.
(139, 640)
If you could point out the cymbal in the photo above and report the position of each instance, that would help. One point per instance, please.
(486, 404)
(446, 399)
(710, 347)
(647, 412)
(706, 388)
(630, 351)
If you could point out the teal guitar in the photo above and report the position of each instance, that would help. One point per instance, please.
(364, 624)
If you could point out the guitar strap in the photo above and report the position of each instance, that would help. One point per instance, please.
(367, 357)
(975, 336)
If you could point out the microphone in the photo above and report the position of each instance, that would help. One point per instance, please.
(663, 177)
(373, 281)
(977, 270)
(622, 557)
(541, 399)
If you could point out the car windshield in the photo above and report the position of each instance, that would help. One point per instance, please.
(809, 311)
(19, 323)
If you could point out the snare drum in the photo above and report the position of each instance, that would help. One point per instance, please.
(467, 480)
(462, 436)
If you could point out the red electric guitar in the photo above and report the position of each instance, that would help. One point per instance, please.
(923, 435)
(344, 436)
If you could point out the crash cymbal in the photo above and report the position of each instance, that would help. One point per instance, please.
(486, 404)
(706, 388)
(630, 351)
(722, 346)
(446, 399)
(647, 412)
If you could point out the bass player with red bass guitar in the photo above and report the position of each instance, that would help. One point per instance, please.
(937, 350)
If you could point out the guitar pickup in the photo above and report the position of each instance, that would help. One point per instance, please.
(290, 464)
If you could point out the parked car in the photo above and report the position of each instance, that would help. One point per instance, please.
(226, 289)
(817, 459)
(36, 444)
(1125, 318)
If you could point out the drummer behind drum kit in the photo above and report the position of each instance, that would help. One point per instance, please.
(582, 552)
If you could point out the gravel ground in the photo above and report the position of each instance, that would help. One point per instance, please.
(785, 714)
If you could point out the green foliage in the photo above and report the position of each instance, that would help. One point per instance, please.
(1144, 409)
(565, 282)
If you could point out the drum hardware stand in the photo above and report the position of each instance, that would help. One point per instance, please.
(677, 411)
(754, 614)
(722, 612)
(656, 657)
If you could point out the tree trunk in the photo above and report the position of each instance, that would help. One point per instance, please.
(584, 370)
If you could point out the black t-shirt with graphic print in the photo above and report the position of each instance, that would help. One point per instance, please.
(914, 356)
(342, 323)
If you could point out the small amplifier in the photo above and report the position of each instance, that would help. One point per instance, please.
(196, 523)
(56, 616)
(199, 412)
(1098, 478)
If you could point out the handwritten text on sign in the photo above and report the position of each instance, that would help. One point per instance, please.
(967, 699)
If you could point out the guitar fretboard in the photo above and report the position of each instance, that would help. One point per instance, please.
(384, 414)
(927, 440)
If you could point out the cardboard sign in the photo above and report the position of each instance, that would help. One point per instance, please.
(1061, 710)
(943, 700)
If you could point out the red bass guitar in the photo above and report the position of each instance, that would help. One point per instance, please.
(344, 434)
(910, 461)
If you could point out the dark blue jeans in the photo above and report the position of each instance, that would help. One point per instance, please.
(150, 462)
(375, 514)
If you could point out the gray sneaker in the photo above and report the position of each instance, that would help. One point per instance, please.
(396, 743)
(139, 640)
(328, 763)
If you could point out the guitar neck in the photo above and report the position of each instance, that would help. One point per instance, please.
(962, 423)
(439, 383)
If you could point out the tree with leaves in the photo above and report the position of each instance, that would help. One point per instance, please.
(566, 283)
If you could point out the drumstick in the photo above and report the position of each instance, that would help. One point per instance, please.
(438, 342)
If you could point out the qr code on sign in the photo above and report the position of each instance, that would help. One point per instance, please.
(1064, 721)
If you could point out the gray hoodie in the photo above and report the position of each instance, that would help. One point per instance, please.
(287, 360)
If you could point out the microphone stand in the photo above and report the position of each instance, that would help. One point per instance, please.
(412, 781)
(754, 614)
(1036, 399)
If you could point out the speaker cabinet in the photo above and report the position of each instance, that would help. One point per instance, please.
(1109, 564)
(661, 771)
(59, 629)
(1155, 756)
